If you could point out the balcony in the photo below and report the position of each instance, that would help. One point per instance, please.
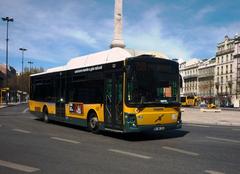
(190, 76)
(205, 75)
(230, 50)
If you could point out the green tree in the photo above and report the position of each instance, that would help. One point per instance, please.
(23, 80)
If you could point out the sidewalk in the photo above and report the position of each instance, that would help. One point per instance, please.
(10, 104)
(226, 118)
(222, 108)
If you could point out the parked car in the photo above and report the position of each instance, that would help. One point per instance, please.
(227, 105)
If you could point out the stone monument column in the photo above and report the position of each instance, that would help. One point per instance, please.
(117, 38)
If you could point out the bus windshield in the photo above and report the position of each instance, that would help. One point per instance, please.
(152, 83)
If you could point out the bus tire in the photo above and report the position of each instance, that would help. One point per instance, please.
(93, 125)
(45, 115)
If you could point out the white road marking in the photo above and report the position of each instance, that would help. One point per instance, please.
(213, 172)
(198, 125)
(25, 110)
(236, 129)
(129, 153)
(224, 139)
(180, 151)
(19, 167)
(65, 140)
(0, 125)
(21, 130)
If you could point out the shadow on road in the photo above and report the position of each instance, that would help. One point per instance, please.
(58, 123)
(130, 136)
(147, 136)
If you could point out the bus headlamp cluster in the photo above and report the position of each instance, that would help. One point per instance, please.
(131, 120)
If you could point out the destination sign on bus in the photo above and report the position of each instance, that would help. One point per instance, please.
(90, 69)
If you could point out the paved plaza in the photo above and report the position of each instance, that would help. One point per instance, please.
(196, 116)
(32, 146)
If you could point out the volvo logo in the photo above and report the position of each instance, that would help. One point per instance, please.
(159, 118)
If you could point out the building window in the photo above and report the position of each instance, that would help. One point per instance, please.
(230, 68)
(221, 69)
(227, 58)
(218, 79)
(217, 70)
(226, 68)
(226, 78)
(222, 59)
(221, 79)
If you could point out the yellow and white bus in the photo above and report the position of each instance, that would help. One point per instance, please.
(116, 90)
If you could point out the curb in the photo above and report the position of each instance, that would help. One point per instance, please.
(222, 108)
(9, 105)
(213, 124)
(210, 110)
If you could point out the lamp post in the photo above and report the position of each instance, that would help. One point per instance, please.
(30, 67)
(7, 20)
(22, 49)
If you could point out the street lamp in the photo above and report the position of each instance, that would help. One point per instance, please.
(7, 20)
(22, 49)
(30, 67)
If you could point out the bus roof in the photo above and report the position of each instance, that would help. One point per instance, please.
(108, 56)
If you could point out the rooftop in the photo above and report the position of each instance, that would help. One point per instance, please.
(108, 56)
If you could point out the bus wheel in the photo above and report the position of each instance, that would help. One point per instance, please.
(45, 116)
(93, 123)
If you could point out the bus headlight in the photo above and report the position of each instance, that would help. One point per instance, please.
(131, 120)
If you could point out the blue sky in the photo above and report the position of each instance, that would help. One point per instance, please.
(56, 31)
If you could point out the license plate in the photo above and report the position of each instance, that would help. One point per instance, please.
(159, 128)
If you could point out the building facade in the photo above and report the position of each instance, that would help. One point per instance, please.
(189, 73)
(236, 67)
(11, 73)
(225, 79)
(216, 79)
(206, 72)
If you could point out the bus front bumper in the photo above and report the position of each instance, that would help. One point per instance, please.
(153, 128)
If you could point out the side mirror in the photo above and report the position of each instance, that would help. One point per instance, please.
(180, 81)
(128, 69)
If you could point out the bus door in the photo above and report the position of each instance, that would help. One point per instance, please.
(113, 102)
(60, 94)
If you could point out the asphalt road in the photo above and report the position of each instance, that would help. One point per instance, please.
(28, 145)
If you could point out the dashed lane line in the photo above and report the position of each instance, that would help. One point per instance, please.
(212, 172)
(25, 110)
(236, 129)
(19, 167)
(223, 139)
(180, 151)
(22, 131)
(65, 140)
(129, 153)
